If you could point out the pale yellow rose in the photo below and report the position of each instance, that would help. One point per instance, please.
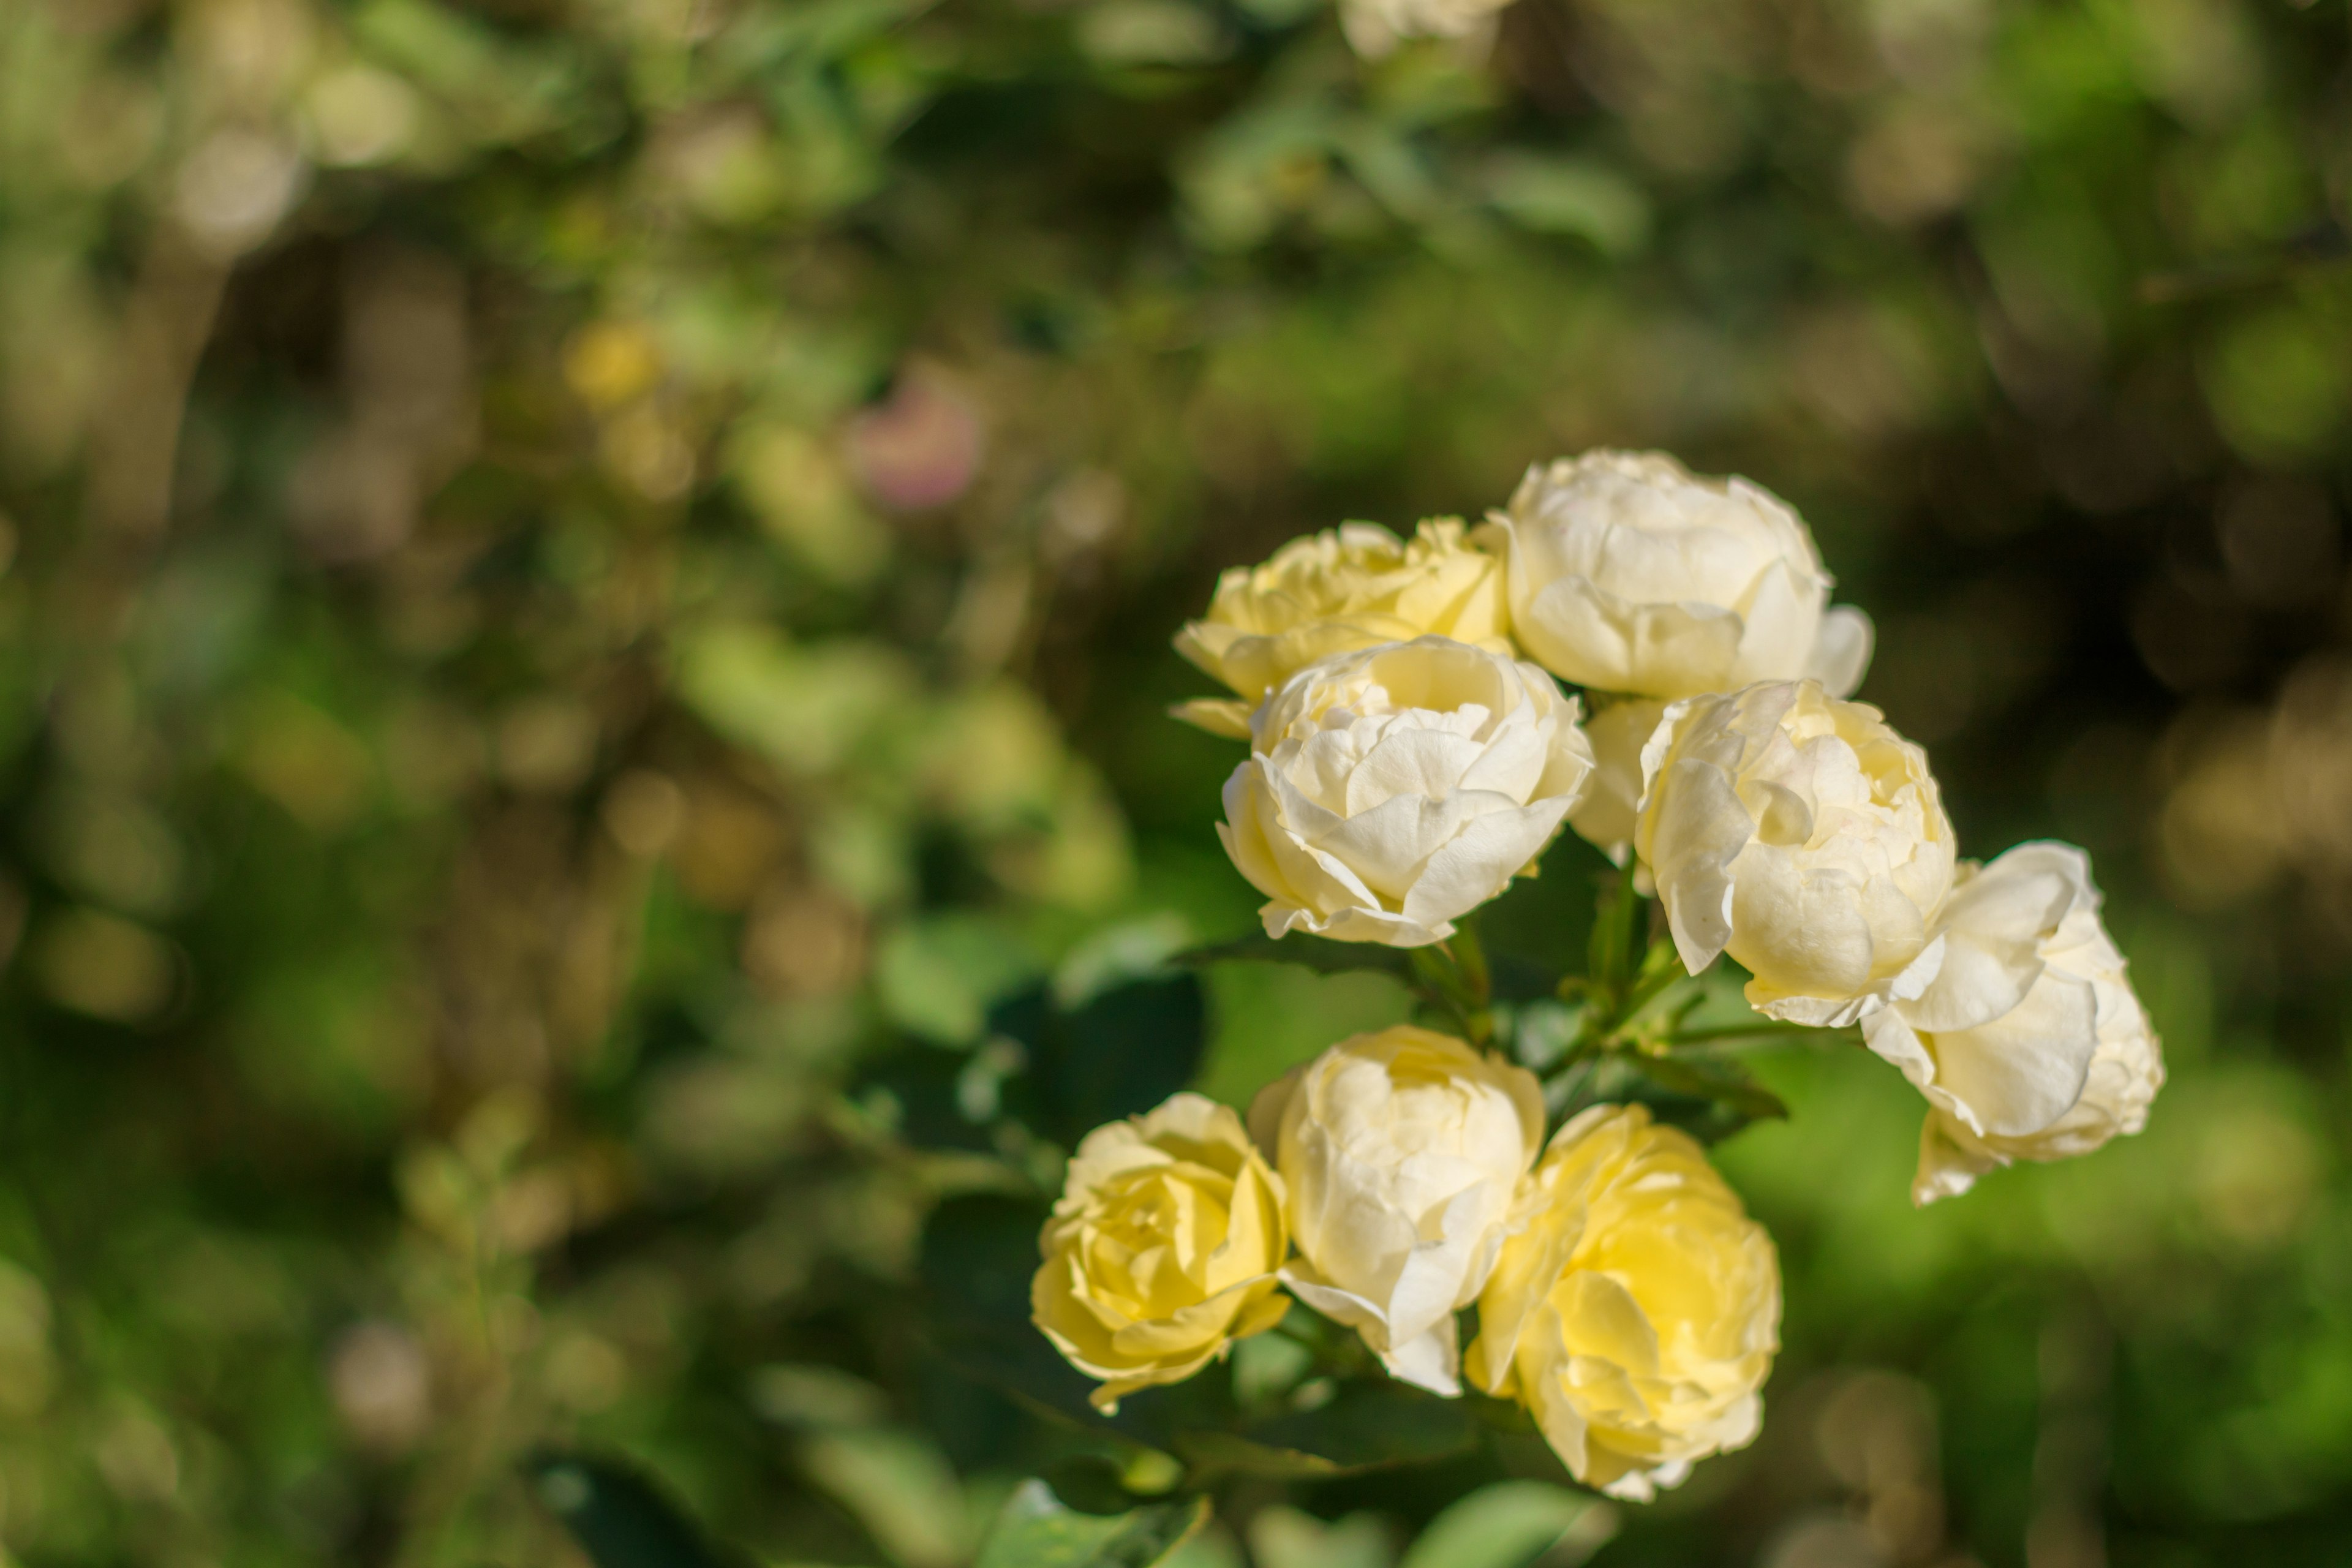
(1389, 791)
(1636, 1308)
(1630, 574)
(1619, 728)
(1803, 835)
(1162, 1248)
(1402, 1152)
(1345, 588)
(2028, 1043)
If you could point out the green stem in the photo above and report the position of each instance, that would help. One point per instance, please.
(1453, 976)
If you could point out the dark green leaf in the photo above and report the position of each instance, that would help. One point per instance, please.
(1037, 1530)
(1120, 1053)
(1719, 1081)
(1319, 953)
(620, 1519)
(1367, 1426)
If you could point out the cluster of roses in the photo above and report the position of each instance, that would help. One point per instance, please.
(1405, 763)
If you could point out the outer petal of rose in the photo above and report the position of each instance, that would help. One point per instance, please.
(1842, 651)
(1481, 861)
(1228, 717)
(1692, 855)
(2026, 1069)
(1946, 1166)
(1780, 624)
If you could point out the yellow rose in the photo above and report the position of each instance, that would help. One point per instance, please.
(1162, 1248)
(1345, 588)
(1636, 1311)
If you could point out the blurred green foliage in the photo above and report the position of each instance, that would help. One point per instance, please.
(583, 574)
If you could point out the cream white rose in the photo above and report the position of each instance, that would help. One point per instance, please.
(1376, 26)
(1635, 1309)
(1392, 790)
(1803, 835)
(1628, 573)
(2029, 1042)
(1604, 815)
(1345, 588)
(1402, 1151)
(1162, 1248)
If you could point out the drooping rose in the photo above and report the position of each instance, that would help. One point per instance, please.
(1162, 1250)
(1345, 588)
(1635, 1309)
(1803, 835)
(1392, 790)
(2029, 1042)
(1630, 575)
(1402, 1151)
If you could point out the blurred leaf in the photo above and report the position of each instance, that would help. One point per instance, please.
(1365, 1426)
(1036, 1531)
(1120, 1053)
(619, 1519)
(1565, 195)
(1723, 1082)
(1514, 1524)
(1319, 953)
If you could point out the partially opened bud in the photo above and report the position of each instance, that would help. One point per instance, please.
(1402, 1151)
(1803, 836)
(1392, 790)
(1162, 1250)
(1635, 1309)
(2029, 1042)
(1345, 588)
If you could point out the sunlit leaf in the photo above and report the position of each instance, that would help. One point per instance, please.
(1036, 1531)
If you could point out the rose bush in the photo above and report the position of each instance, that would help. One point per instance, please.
(1627, 573)
(1390, 790)
(1402, 1151)
(1635, 1309)
(1803, 835)
(1345, 588)
(2029, 1042)
(1162, 1248)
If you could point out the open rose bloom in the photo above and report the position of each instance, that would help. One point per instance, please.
(1390, 790)
(1402, 1152)
(1635, 1309)
(1802, 836)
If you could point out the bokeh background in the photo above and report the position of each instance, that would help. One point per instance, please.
(578, 568)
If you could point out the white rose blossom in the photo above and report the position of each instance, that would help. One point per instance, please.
(1628, 573)
(2029, 1042)
(1374, 28)
(1402, 1152)
(1619, 729)
(1803, 835)
(1392, 790)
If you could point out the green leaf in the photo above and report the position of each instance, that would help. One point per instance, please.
(619, 1519)
(1036, 1531)
(1121, 1054)
(1722, 1082)
(1514, 1524)
(1319, 953)
(1366, 1427)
